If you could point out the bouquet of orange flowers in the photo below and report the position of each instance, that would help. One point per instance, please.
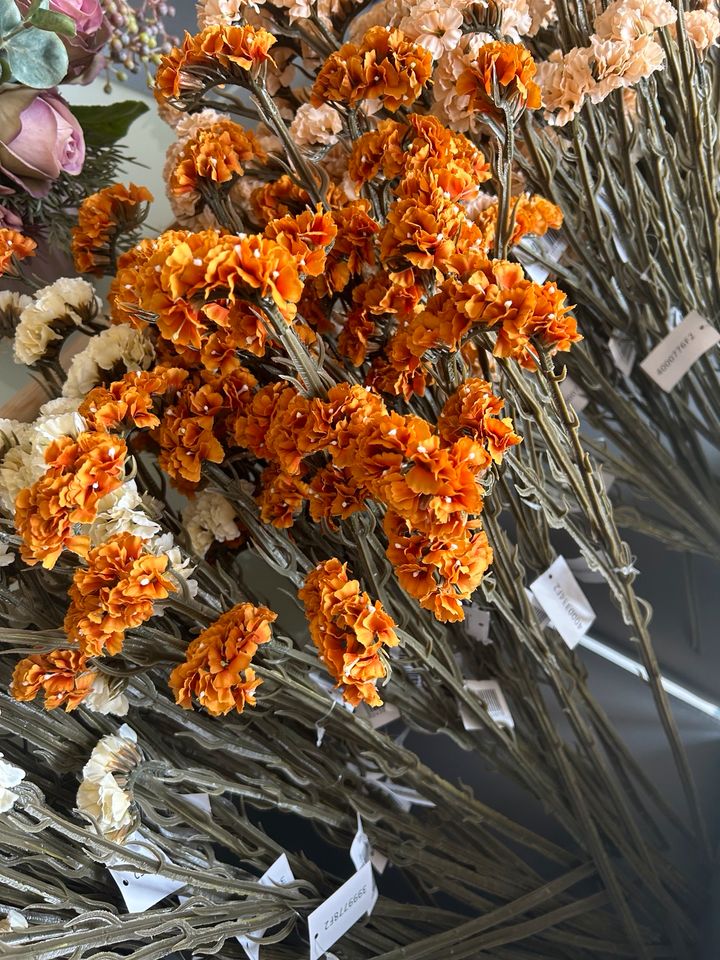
(340, 367)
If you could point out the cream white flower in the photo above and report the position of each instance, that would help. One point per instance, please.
(542, 14)
(621, 63)
(12, 305)
(207, 518)
(108, 804)
(630, 19)
(122, 511)
(101, 794)
(219, 12)
(703, 29)
(316, 125)
(120, 343)
(101, 699)
(377, 15)
(436, 28)
(10, 776)
(565, 82)
(65, 302)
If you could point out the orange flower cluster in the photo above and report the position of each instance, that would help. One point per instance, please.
(130, 402)
(80, 472)
(217, 153)
(216, 670)
(113, 593)
(383, 66)
(501, 77)
(428, 479)
(533, 215)
(219, 51)
(205, 289)
(13, 246)
(63, 676)
(472, 412)
(102, 219)
(495, 296)
(423, 147)
(349, 630)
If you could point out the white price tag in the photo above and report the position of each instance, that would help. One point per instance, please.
(140, 891)
(379, 861)
(477, 623)
(561, 597)
(333, 918)
(379, 717)
(574, 394)
(404, 797)
(542, 618)
(671, 359)
(360, 849)
(624, 352)
(275, 875)
(549, 249)
(490, 693)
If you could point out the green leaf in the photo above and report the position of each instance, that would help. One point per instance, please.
(103, 126)
(9, 16)
(54, 22)
(37, 58)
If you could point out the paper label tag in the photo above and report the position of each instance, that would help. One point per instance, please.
(380, 717)
(671, 359)
(278, 873)
(360, 849)
(477, 624)
(542, 618)
(491, 694)
(379, 861)
(326, 684)
(624, 353)
(549, 249)
(333, 918)
(561, 597)
(140, 891)
(574, 394)
(404, 797)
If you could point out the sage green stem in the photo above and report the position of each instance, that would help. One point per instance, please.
(301, 165)
(602, 521)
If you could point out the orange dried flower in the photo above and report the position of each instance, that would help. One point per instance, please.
(281, 497)
(62, 675)
(384, 65)
(217, 51)
(115, 592)
(502, 76)
(534, 215)
(103, 218)
(279, 198)
(472, 412)
(334, 493)
(238, 266)
(349, 631)
(440, 573)
(13, 246)
(186, 442)
(305, 236)
(217, 671)
(80, 473)
(217, 153)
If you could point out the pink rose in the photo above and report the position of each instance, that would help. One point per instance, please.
(93, 33)
(87, 14)
(39, 138)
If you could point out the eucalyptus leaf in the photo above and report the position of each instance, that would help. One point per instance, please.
(9, 16)
(37, 58)
(103, 126)
(54, 22)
